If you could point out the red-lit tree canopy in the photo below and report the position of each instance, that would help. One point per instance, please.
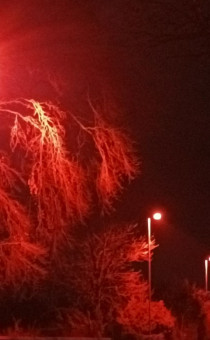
(45, 188)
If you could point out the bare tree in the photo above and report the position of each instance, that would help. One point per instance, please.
(102, 275)
(51, 176)
(19, 255)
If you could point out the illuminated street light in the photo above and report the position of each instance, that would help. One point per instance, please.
(156, 216)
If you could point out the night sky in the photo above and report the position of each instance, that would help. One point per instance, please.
(160, 83)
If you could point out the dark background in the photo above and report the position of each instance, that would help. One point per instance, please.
(152, 58)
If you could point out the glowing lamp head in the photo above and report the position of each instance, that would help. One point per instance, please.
(157, 216)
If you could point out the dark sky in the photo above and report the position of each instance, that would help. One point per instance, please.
(160, 81)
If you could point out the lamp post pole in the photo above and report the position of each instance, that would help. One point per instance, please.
(206, 274)
(149, 270)
(156, 216)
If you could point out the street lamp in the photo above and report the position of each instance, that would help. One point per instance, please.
(206, 273)
(156, 216)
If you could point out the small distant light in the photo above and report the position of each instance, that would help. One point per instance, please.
(209, 258)
(157, 216)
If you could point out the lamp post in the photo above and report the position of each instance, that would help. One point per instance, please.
(156, 216)
(206, 273)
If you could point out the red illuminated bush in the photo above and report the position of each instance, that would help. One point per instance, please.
(135, 317)
(102, 277)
